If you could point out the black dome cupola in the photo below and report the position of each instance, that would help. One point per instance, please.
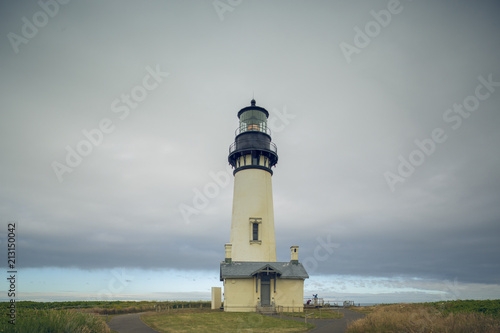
(252, 147)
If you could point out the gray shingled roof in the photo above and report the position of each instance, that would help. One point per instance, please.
(246, 269)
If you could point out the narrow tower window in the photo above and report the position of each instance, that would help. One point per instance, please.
(255, 232)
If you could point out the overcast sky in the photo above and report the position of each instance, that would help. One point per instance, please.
(116, 118)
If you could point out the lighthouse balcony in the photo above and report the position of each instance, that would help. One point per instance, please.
(253, 154)
(252, 144)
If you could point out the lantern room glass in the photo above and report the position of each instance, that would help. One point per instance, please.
(253, 120)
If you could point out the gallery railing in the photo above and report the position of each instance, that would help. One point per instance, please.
(253, 144)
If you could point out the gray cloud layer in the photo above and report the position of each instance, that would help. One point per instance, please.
(351, 123)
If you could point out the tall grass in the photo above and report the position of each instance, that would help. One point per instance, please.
(421, 318)
(79, 316)
(60, 321)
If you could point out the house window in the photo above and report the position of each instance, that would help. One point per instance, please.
(255, 230)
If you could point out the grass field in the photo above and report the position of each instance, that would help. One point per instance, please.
(454, 316)
(82, 317)
(109, 307)
(187, 321)
(79, 317)
(42, 321)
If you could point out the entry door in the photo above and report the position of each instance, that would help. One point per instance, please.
(265, 290)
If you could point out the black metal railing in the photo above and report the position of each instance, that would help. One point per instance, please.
(253, 144)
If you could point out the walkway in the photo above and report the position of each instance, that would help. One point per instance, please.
(129, 323)
(336, 325)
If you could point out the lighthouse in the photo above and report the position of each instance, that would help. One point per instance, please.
(253, 279)
(252, 155)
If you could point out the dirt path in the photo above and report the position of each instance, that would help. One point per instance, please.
(130, 323)
(336, 325)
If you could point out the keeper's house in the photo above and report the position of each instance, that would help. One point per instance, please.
(263, 286)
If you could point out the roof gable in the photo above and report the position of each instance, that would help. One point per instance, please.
(248, 269)
(267, 268)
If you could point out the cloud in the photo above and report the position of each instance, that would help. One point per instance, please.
(351, 124)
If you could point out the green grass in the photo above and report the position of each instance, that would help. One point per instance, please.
(316, 314)
(109, 307)
(216, 321)
(79, 316)
(46, 321)
(487, 307)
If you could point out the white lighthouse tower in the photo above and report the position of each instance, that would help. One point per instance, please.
(253, 279)
(252, 156)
